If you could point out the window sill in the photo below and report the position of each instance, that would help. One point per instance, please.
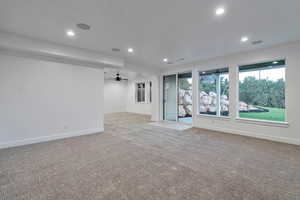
(213, 116)
(142, 102)
(263, 122)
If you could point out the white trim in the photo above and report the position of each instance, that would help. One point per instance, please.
(285, 89)
(149, 91)
(203, 69)
(161, 98)
(136, 92)
(24, 46)
(264, 60)
(262, 122)
(218, 113)
(50, 138)
(253, 135)
(177, 89)
(142, 102)
(140, 113)
(214, 116)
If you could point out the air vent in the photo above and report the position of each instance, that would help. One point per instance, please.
(257, 42)
(116, 49)
(83, 26)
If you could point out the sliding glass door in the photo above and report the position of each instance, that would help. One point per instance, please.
(169, 97)
(185, 100)
(177, 97)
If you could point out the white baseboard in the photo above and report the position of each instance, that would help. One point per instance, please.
(254, 135)
(50, 138)
(140, 113)
(115, 111)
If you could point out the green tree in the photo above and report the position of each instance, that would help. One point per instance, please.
(262, 92)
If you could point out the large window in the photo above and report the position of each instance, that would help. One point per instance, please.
(214, 92)
(140, 92)
(262, 91)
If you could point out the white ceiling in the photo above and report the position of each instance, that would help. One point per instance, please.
(110, 73)
(156, 28)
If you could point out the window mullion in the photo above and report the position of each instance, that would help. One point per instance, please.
(218, 95)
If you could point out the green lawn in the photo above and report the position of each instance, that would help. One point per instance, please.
(274, 114)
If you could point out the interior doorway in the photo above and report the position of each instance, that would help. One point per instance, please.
(177, 97)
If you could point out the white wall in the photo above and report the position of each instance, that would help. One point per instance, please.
(26, 46)
(42, 100)
(115, 96)
(134, 107)
(288, 133)
(120, 96)
(155, 98)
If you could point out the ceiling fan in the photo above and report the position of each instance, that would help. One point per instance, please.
(118, 78)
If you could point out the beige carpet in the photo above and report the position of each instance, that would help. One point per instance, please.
(172, 125)
(134, 160)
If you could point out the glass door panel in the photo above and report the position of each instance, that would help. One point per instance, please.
(185, 100)
(170, 97)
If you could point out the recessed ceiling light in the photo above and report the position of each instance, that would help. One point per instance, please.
(130, 50)
(70, 33)
(244, 39)
(203, 72)
(275, 62)
(165, 60)
(220, 11)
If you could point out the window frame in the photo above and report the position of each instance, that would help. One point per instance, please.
(150, 92)
(218, 112)
(237, 100)
(136, 92)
